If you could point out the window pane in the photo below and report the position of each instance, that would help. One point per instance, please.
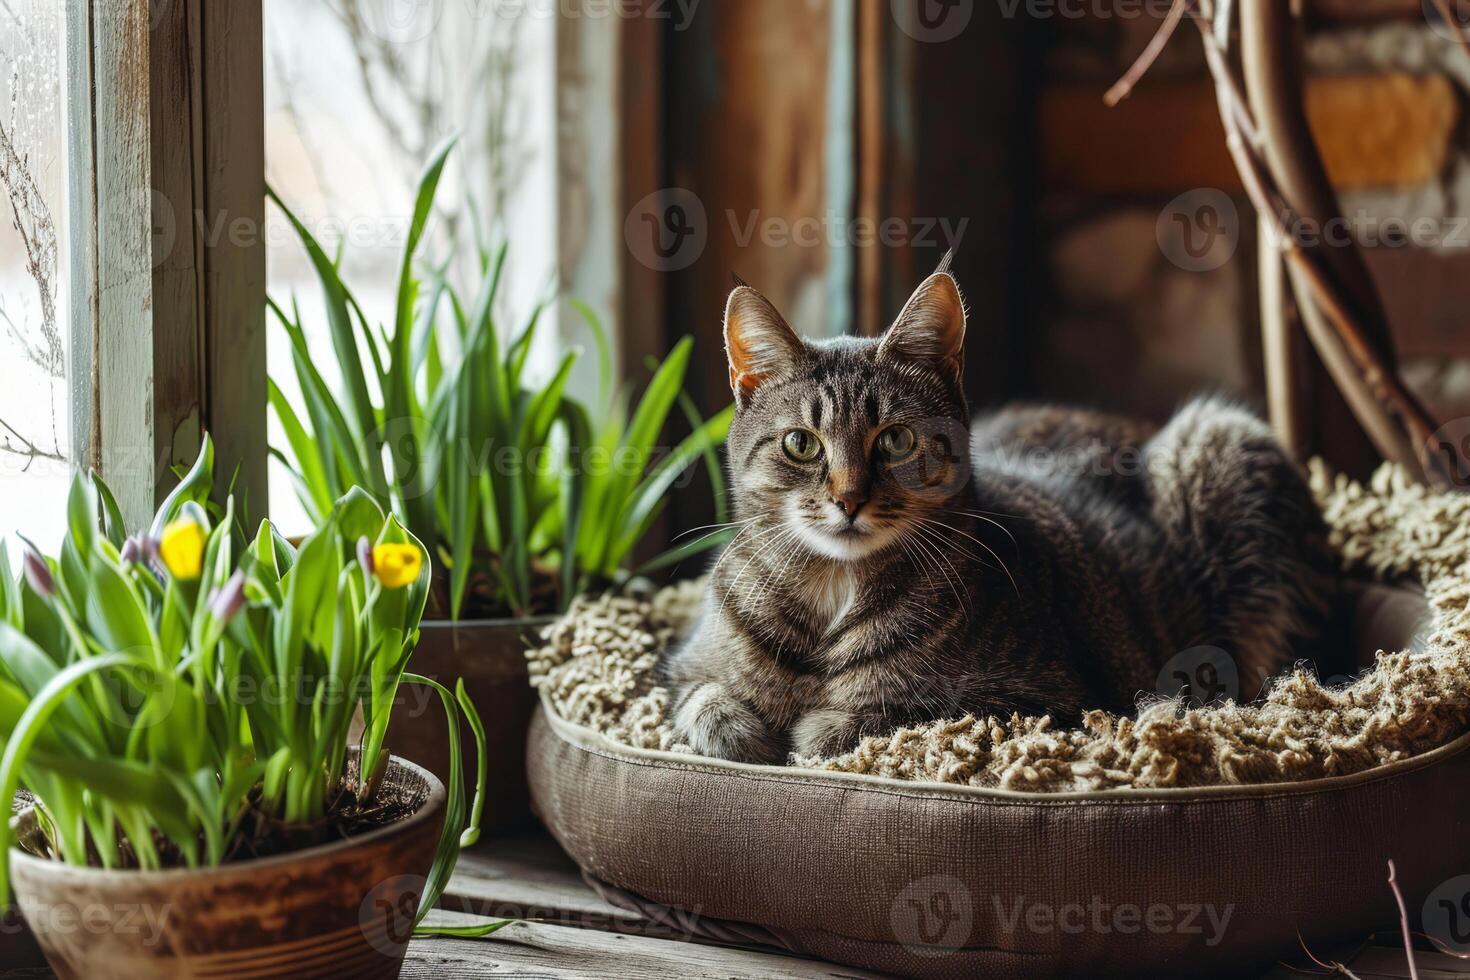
(358, 95)
(34, 402)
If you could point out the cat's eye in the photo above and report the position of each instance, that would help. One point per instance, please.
(896, 441)
(802, 445)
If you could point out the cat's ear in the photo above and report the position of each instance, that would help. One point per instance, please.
(757, 340)
(931, 327)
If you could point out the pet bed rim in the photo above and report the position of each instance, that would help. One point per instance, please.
(589, 740)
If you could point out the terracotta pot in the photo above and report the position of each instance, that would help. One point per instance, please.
(490, 655)
(340, 909)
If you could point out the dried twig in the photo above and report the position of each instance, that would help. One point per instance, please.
(1333, 967)
(27, 450)
(1398, 896)
(32, 219)
(1123, 86)
(1244, 140)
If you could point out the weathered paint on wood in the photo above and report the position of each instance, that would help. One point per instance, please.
(123, 336)
(167, 266)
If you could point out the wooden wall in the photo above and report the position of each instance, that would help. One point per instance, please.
(800, 125)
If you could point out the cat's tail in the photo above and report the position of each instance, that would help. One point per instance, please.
(1236, 509)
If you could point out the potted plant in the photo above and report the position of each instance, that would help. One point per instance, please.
(178, 704)
(526, 496)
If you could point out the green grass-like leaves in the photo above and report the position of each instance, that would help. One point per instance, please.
(511, 483)
(153, 704)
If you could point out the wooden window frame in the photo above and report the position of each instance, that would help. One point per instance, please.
(165, 121)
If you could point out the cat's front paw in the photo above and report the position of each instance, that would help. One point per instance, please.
(824, 733)
(714, 723)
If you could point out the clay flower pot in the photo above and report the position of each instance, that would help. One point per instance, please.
(490, 656)
(340, 909)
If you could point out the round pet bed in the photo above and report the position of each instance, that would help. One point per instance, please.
(1182, 841)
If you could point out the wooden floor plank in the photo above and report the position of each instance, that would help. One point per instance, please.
(537, 949)
(528, 876)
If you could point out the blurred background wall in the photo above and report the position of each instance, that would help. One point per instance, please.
(637, 153)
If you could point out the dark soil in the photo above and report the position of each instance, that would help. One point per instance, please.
(261, 836)
(482, 599)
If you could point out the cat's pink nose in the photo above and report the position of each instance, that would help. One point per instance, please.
(850, 502)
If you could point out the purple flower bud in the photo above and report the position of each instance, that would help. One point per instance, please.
(38, 575)
(227, 601)
(150, 548)
(132, 551)
(365, 555)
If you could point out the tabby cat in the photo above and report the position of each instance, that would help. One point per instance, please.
(892, 566)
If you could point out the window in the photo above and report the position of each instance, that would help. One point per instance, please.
(35, 436)
(358, 95)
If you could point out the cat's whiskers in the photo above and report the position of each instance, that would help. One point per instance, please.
(720, 528)
(785, 531)
(981, 515)
(778, 581)
(944, 569)
(717, 528)
(924, 613)
(990, 550)
(941, 539)
(729, 548)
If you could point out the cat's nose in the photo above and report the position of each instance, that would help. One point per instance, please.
(849, 502)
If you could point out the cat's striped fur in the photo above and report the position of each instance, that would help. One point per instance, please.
(1051, 568)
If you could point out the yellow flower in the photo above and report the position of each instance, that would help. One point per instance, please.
(182, 549)
(397, 565)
